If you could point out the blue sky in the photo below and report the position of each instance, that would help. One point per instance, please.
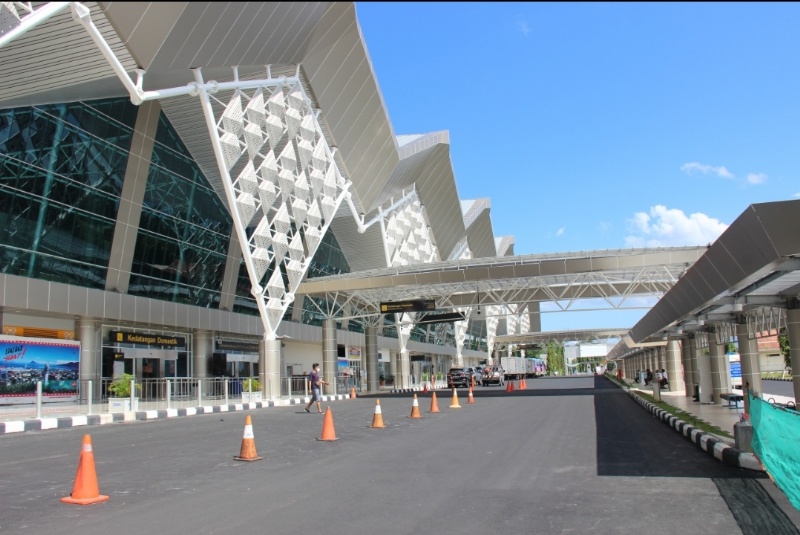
(600, 126)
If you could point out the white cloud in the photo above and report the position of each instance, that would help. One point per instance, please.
(561, 231)
(756, 178)
(665, 227)
(692, 167)
(797, 194)
(523, 26)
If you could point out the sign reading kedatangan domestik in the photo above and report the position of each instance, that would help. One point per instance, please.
(413, 305)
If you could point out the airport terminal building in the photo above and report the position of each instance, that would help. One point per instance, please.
(124, 210)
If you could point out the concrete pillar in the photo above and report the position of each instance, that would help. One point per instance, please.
(703, 371)
(688, 374)
(673, 366)
(720, 378)
(89, 335)
(371, 355)
(748, 355)
(718, 369)
(405, 369)
(269, 369)
(395, 358)
(793, 330)
(330, 356)
(202, 350)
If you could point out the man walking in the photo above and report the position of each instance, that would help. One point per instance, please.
(315, 384)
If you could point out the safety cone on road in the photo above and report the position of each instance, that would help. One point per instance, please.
(434, 404)
(472, 381)
(454, 403)
(248, 449)
(85, 491)
(425, 388)
(470, 399)
(523, 385)
(328, 432)
(415, 409)
(352, 392)
(377, 418)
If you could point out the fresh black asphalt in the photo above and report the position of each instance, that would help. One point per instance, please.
(568, 455)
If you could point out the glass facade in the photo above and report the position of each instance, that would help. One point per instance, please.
(184, 229)
(62, 168)
(61, 173)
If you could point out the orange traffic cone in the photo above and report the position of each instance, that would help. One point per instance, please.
(454, 403)
(434, 404)
(85, 491)
(377, 418)
(352, 392)
(425, 388)
(328, 432)
(523, 385)
(470, 399)
(415, 409)
(472, 381)
(248, 449)
(508, 386)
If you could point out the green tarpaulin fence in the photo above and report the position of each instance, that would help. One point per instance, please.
(776, 441)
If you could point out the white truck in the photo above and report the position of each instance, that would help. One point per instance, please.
(514, 367)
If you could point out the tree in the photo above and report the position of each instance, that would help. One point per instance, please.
(783, 340)
(555, 358)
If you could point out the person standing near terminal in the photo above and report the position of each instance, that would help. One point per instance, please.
(315, 384)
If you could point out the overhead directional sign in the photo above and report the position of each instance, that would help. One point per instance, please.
(447, 317)
(414, 305)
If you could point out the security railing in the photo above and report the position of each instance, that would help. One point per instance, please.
(93, 397)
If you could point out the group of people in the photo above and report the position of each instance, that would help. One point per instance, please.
(660, 376)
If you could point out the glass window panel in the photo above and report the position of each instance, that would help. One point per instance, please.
(182, 245)
(61, 172)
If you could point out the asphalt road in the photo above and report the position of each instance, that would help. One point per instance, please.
(569, 455)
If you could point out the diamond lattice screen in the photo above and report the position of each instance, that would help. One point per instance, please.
(408, 239)
(286, 184)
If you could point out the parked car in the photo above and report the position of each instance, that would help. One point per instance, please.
(495, 376)
(475, 372)
(457, 377)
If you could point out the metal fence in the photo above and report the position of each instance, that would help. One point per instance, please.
(154, 394)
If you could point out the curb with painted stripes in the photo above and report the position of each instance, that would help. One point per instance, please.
(41, 424)
(715, 447)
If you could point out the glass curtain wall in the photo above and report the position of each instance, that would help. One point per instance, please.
(61, 173)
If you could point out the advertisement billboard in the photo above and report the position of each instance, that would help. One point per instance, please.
(26, 361)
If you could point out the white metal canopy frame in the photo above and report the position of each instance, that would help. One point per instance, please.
(278, 170)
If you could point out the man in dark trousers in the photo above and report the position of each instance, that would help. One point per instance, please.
(315, 384)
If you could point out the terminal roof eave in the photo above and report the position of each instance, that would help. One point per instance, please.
(168, 39)
(424, 164)
(756, 255)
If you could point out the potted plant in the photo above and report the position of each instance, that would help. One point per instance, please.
(251, 390)
(119, 399)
